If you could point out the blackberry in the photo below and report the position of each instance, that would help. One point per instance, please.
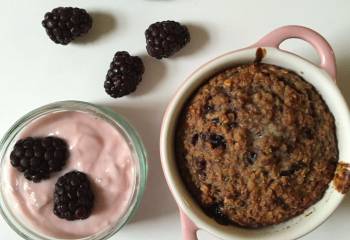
(294, 168)
(64, 24)
(166, 38)
(195, 139)
(215, 210)
(208, 109)
(38, 157)
(124, 74)
(217, 141)
(201, 168)
(73, 197)
(251, 157)
(215, 121)
(307, 133)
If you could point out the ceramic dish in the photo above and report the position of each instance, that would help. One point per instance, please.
(322, 77)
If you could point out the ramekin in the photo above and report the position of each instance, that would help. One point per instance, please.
(322, 77)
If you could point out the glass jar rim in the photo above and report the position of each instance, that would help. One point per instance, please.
(116, 120)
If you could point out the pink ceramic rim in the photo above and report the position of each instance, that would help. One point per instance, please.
(320, 44)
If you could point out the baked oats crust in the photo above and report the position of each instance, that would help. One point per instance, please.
(256, 145)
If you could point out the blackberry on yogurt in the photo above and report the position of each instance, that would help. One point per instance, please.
(73, 197)
(38, 157)
(99, 148)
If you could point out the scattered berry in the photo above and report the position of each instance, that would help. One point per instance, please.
(124, 74)
(64, 24)
(38, 157)
(73, 197)
(166, 38)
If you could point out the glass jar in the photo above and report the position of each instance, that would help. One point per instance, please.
(137, 149)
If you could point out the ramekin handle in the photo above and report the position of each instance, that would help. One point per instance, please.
(324, 50)
(189, 229)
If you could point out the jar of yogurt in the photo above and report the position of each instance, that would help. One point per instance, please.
(102, 145)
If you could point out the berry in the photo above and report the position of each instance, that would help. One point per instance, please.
(232, 125)
(215, 210)
(307, 133)
(38, 157)
(124, 74)
(201, 168)
(73, 197)
(166, 38)
(215, 121)
(195, 139)
(251, 157)
(64, 24)
(217, 141)
(208, 109)
(294, 168)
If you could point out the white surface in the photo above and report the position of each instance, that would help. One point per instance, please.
(34, 71)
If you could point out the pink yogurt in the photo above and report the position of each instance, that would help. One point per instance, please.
(96, 148)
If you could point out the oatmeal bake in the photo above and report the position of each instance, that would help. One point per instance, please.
(256, 145)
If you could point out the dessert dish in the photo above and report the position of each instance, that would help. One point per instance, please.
(164, 39)
(266, 51)
(64, 24)
(256, 145)
(93, 193)
(97, 148)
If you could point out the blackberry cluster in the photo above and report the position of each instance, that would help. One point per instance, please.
(124, 74)
(73, 197)
(166, 38)
(38, 157)
(64, 24)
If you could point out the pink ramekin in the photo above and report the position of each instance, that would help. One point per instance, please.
(322, 77)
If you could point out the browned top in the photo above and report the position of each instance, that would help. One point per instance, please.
(342, 177)
(260, 54)
(256, 145)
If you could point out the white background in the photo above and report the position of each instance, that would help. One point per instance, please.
(34, 71)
